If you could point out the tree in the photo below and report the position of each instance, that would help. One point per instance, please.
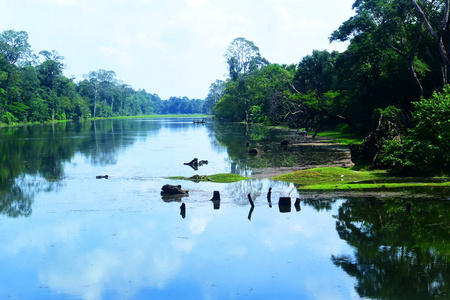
(15, 49)
(216, 90)
(51, 71)
(440, 35)
(243, 60)
(101, 82)
(390, 60)
(425, 149)
(315, 72)
(243, 57)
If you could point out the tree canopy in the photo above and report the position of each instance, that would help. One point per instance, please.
(34, 90)
(396, 60)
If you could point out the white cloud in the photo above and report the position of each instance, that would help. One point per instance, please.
(58, 2)
(178, 44)
(117, 56)
(198, 225)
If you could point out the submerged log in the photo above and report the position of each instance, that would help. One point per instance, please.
(202, 162)
(297, 205)
(269, 197)
(101, 176)
(284, 204)
(216, 200)
(256, 151)
(250, 200)
(169, 189)
(195, 163)
(286, 143)
(183, 210)
(302, 133)
(192, 163)
(216, 196)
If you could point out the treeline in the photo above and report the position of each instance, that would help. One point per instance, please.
(33, 88)
(398, 56)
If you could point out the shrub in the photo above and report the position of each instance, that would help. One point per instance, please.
(426, 148)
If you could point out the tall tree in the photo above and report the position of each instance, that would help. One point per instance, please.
(440, 31)
(101, 82)
(216, 90)
(15, 49)
(51, 71)
(243, 57)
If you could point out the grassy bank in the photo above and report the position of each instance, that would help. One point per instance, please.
(218, 178)
(341, 179)
(161, 116)
(108, 118)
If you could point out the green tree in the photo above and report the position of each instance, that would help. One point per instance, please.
(216, 90)
(435, 16)
(425, 149)
(390, 60)
(242, 57)
(51, 74)
(14, 51)
(315, 72)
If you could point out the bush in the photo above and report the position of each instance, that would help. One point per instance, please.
(426, 148)
(8, 118)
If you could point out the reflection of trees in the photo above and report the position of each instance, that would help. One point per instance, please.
(319, 204)
(400, 253)
(236, 137)
(15, 203)
(35, 152)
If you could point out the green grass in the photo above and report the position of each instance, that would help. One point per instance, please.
(161, 116)
(217, 178)
(331, 175)
(335, 178)
(107, 118)
(342, 138)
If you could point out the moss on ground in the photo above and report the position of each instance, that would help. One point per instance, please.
(217, 178)
(335, 178)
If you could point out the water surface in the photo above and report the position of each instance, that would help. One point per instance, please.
(66, 235)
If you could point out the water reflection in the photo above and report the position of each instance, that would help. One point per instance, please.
(183, 210)
(85, 238)
(216, 200)
(158, 146)
(401, 247)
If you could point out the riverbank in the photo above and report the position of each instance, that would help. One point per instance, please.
(339, 176)
(2, 125)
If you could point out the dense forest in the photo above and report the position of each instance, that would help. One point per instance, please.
(390, 82)
(33, 88)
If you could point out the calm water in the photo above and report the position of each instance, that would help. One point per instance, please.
(66, 235)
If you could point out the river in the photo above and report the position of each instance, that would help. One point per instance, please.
(64, 234)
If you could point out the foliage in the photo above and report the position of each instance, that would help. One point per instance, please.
(34, 91)
(334, 178)
(426, 148)
(243, 57)
(217, 178)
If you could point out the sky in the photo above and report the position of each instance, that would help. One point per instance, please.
(172, 47)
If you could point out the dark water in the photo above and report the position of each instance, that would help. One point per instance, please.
(66, 235)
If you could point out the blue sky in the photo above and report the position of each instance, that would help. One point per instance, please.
(172, 47)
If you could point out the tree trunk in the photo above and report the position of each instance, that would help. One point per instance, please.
(95, 101)
(414, 74)
(8, 81)
(437, 37)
